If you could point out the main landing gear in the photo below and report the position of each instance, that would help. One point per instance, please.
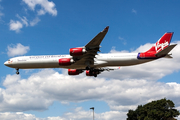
(88, 68)
(17, 71)
(92, 71)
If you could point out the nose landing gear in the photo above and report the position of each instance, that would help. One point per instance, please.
(17, 71)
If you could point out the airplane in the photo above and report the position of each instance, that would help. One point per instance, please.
(88, 59)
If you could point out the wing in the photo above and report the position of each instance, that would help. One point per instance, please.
(91, 49)
(96, 41)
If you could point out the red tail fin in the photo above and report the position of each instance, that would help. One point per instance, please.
(161, 44)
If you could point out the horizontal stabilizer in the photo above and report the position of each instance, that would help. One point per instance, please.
(168, 56)
(165, 51)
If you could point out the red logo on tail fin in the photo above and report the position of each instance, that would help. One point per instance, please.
(163, 42)
(161, 46)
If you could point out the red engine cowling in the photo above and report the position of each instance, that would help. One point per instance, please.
(77, 51)
(65, 61)
(74, 72)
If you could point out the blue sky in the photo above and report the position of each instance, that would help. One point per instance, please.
(44, 27)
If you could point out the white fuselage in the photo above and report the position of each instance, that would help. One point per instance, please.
(52, 61)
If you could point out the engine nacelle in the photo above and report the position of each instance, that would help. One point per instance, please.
(74, 72)
(77, 51)
(65, 61)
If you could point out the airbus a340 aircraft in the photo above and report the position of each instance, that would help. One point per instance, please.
(87, 58)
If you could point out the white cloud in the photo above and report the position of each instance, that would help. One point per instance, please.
(23, 20)
(77, 114)
(38, 91)
(134, 11)
(16, 116)
(113, 50)
(15, 25)
(18, 49)
(80, 114)
(34, 21)
(123, 40)
(46, 86)
(46, 6)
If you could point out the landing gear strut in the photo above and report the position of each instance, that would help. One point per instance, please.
(17, 71)
(92, 72)
(88, 68)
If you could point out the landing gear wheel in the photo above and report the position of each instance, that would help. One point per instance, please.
(17, 71)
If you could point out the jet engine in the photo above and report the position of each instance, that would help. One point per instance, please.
(77, 51)
(65, 61)
(74, 72)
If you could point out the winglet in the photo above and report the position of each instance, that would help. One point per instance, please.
(106, 29)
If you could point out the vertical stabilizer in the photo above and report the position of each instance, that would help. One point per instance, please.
(160, 45)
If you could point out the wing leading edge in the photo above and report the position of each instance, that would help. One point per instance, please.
(96, 41)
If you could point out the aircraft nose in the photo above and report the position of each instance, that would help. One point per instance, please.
(6, 63)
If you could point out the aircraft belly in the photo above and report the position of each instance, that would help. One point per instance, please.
(126, 61)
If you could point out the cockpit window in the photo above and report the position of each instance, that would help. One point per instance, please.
(9, 60)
